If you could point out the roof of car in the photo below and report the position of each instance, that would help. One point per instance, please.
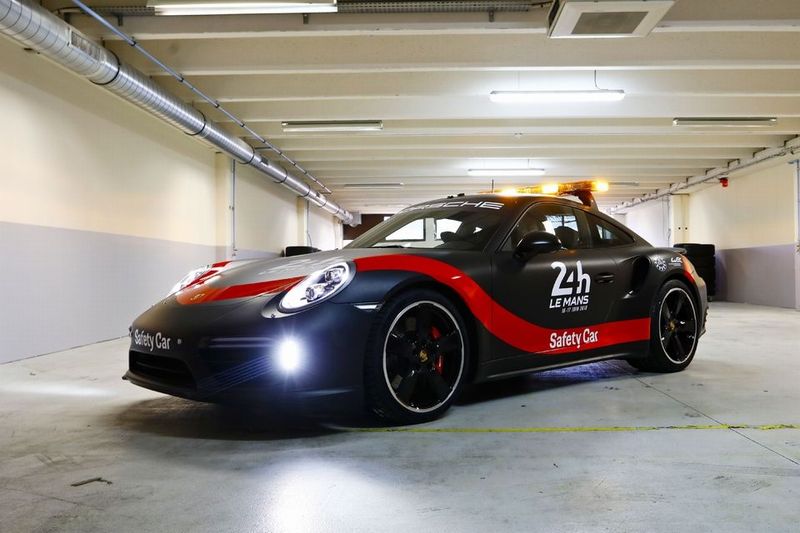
(493, 197)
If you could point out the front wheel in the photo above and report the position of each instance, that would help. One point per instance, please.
(417, 358)
(674, 329)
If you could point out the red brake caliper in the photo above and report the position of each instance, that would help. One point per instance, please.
(438, 364)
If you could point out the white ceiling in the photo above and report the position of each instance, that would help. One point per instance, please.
(428, 77)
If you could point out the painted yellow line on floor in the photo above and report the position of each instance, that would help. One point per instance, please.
(578, 429)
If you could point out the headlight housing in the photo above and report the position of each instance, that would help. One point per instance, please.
(197, 275)
(317, 287)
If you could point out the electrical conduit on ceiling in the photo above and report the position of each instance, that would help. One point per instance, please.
(34, 27)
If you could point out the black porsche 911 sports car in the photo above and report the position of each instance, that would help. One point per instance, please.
(460, 290)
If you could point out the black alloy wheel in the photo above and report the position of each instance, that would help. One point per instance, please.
(418, 360)
(678, 325)
(674, 329)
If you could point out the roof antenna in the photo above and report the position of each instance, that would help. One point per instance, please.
(492, 186)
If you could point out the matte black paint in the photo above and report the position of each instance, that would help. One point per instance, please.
(228, 346)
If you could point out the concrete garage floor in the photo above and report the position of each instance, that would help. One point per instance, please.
(179, 466)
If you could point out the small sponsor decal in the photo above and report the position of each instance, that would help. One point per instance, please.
(574, 338)
(150, 341)
(661, 264)
(571, 288)
(676, 261)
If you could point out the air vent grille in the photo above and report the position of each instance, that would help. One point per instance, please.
(605, 18)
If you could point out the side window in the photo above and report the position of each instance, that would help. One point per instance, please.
(605, 234)
(568, 224)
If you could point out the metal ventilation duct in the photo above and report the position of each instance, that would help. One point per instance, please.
(36, 28)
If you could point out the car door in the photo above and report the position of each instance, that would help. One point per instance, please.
(632, 266)
(547, 304)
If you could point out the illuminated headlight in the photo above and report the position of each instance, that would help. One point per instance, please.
(317, 287)
(189, 278)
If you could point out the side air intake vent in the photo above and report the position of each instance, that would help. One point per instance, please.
(605, 18)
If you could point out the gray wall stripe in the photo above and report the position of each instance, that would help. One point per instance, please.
(62, 288)
(763, 275)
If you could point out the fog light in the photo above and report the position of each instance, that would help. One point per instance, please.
(290, 356)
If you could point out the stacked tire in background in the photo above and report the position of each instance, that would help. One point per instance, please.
(702, 257)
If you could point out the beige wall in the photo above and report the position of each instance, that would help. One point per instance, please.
(756, 209)
(76, 157)
(651, 220)
(325, 230)
(266, 213)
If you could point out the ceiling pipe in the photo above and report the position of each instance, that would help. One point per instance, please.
(789, 147)
(37, 29)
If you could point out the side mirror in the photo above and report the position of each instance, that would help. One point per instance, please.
(536, 242)
(291, 251)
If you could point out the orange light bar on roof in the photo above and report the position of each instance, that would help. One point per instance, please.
(560, 188)
(582, 189)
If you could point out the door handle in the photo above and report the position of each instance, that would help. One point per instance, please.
(605, 277)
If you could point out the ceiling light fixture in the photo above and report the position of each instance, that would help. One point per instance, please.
(241, 7)
(488, 172)
(726, 122)
(592, 95)
(332, 126)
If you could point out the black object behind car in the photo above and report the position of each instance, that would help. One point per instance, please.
(703, 258)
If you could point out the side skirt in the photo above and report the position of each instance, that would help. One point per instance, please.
(526, 364)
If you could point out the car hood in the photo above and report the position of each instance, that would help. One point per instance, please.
(238, 281)
(260, 270)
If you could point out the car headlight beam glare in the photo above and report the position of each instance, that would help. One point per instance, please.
(290, 355)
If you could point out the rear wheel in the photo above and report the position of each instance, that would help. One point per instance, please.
(417, 358)
(674, 329)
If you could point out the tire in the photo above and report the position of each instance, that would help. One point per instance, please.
(417, 358)
(674, 330)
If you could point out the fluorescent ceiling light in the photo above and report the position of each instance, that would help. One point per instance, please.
(726, 122)
(592, 95)
(484, 172)
(240, 7)
(337, 125)
(374, 185)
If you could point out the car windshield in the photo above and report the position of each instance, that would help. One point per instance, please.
(444, 228)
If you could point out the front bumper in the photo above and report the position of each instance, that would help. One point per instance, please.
(231, 352)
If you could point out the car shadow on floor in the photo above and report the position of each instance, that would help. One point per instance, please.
(175, 417)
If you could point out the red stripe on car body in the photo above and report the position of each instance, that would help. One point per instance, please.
(501, 322)
(198, 294)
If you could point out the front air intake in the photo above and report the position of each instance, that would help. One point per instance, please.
(605, 18)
